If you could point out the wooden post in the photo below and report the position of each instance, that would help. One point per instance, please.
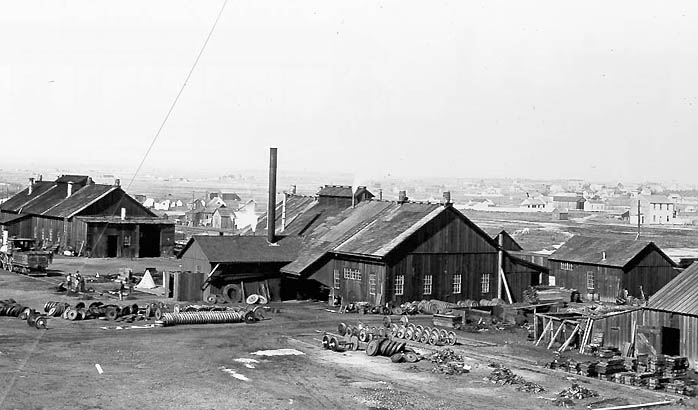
(569, 339)
(557, 333)
(535, 323)
(543, 333)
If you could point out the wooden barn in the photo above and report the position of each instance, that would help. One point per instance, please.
(241, 265)
(95, 220)
(603, 268)
(394, 252)
(667, 325)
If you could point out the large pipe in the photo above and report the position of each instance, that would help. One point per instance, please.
(271, 206)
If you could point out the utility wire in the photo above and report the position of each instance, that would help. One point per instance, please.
(169, 112)
(181, 90)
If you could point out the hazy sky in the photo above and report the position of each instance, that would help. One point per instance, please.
(589, 89)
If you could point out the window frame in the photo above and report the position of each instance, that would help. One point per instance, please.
(485, 283)
(399, 288)
(337, 279)
(428, 287)
(372, 284)
(591, 279)
(457, 284)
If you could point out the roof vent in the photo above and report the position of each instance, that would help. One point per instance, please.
(70, 189)
(31, 186)
(402, 197)
(603, 255)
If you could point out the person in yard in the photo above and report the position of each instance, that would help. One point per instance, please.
(121, 290)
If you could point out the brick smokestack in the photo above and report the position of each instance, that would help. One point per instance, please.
(271, 206)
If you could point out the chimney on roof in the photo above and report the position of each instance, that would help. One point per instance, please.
(293, 189)
(402, 197)
(31, 186)
(380, 194)
(123, 213)
(447, 197)
(117, 182)
(70, 189)
(603, 255)
(41, 177)
(271, 205)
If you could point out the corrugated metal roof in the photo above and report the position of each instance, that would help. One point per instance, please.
(590, 250)
(22, 198)
(245, 249)
(80, 200)
(679, 295)
(389, 229)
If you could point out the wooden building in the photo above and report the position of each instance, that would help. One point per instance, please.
(341, 195)
(667, 325)
(97, 220)
(569, 201)
(603, 268)
(223, 218)
(240, 264)
(393, 252)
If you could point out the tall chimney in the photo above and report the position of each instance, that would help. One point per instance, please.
(380, 194)
(41, 177)
(70, 189)
(353, 196)
(117, 182)
(31, 186)
(271, 206)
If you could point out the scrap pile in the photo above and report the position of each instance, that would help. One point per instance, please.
(565, 397)
(11, 308)
(653, 372)
(97, 310)
(447, 361)
(502, 375)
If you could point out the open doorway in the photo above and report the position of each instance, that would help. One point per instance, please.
(149, 241)
(112, 245)
(671, 341)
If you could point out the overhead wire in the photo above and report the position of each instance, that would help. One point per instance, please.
(168, 114)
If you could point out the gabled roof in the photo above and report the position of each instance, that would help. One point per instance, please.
(50, 199)
(343, 191)
(224, 212)
(679, 295)
(657, 199)
(8, 218)
(510, 243)
(303, 213)
(245, 249)
(80, 200)
(75, 179)
(590, 250)
(22, 198)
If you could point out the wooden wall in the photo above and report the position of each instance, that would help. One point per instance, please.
(608, 280)
(111, 204)
(652, 272)
(618, 330)
(352, 290)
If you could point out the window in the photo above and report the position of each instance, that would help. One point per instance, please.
(337, 279)
(127, 240)
(399, 285)
(667, 218)
(456, 284)
(566, 266)
(427, 284)
(372, 284)
(352, 274)
(590, 280)
(485, 282)
(654, 218)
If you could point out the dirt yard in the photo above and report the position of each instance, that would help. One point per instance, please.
(216, 366)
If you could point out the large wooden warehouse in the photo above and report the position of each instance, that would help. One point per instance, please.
(603, 268)
(97, 220)
(394, 252)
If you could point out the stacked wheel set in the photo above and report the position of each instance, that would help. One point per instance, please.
(211, 317)
(96, 310)
(11, 308)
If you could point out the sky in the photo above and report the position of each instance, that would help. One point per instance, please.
(596, 90)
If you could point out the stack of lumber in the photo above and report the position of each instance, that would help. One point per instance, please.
(588, 369)
(681, 387)
(606, 368)
(546, 294)
(449, 321)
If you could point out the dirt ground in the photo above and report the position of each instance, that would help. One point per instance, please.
(215, 366)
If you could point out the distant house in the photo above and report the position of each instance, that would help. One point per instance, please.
(223, 218)
(594, 205)
(394, 252)
(569, 201)
(533, 203)
(601, 268)
(559, 214)
(654, 210)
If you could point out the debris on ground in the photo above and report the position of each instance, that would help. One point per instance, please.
(503, 375)
(577, 392)
(446, 361)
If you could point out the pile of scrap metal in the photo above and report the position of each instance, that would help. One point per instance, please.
(378, 346)
(98, 310)
(400, 329)
(566, 397)
(502, 375)
(11, 308)
(447, 361)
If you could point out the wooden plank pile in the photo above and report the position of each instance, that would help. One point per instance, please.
(606, 368)
(546, 294)
(449, 321)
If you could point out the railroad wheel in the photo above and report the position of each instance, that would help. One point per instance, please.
(451, 338)
(326, 341)
(342, 329)
(372, 348)
(333, 344)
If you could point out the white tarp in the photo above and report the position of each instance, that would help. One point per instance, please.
(147, 281)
